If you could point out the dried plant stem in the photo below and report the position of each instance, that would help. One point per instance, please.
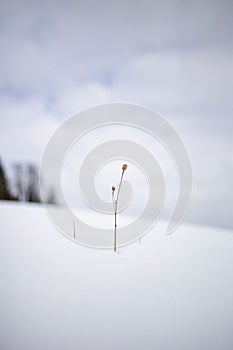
(118, 192)
(115, 203)
(115, 227)
(74, 228)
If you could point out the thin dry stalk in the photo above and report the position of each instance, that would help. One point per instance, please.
(74, 228)
(115, 204)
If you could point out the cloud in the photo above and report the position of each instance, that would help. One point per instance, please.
(52, 46)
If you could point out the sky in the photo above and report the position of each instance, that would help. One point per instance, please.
(60, 57)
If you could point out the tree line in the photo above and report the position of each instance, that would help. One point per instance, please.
(23, 185)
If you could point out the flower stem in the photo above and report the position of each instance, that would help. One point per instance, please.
(118, 192)
(115, 203)
(115, 231)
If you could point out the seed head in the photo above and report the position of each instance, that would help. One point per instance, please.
(113, 188)
(124, 167)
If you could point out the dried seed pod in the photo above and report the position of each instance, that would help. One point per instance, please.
(124, 167)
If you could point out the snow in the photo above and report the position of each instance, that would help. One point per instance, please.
(171, 292)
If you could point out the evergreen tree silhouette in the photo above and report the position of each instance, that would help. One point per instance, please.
(4, 187)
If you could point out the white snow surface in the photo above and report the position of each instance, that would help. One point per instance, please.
(171, 292)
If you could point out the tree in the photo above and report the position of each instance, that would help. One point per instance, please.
(27, 182)
(51, 198)
(5, 192)
(19, 181)
(32, 188)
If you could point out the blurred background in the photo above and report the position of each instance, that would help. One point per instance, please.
(176, 57)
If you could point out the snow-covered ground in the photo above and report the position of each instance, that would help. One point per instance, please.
(167, 293)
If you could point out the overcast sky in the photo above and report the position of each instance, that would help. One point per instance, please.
(58, 57)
